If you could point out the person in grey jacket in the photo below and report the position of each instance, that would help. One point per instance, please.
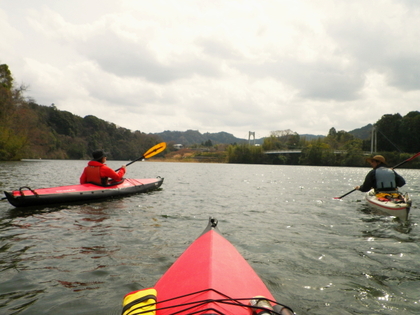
(381, 177)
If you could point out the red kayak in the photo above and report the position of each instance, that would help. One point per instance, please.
(210, 277)
(26, 196)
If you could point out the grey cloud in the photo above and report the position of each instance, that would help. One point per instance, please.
(412, 4)
(217, 48)
(379, 47)
(323, 80)
(127, 58)
(405, 72)
(319, 79)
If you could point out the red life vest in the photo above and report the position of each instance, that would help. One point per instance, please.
(93, 175)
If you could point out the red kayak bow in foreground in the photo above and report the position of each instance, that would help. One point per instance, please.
(210, 277)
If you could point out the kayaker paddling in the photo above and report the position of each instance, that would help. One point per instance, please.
(381, 187)
(381, 177)
(398, 165)
(98, 173)
(92, 187)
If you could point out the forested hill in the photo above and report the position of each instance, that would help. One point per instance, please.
(29, 130)
(63, 135)
(363, 133)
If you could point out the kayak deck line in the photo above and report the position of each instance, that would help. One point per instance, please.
(238, 302)
(26, 196)
(209, 277)
(277, 309)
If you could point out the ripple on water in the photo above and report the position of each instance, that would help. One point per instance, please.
(317, 254)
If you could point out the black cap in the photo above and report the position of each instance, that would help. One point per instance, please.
(98, 155)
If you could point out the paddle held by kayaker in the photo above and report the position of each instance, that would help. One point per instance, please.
(381, 177)
(98, 173)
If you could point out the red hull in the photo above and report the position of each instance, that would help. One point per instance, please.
(25, 196)
(210, 277)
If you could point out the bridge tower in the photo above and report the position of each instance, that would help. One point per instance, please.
(373, 140)
(251, 134)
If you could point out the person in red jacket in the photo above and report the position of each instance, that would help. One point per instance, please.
(98, 173)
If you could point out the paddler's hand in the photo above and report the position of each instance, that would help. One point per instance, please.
(357, 187)
(123, 166)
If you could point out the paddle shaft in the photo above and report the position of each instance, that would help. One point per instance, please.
(149, 153)
(345, 194)
(398, 165)
(409, 159)
(140, 158)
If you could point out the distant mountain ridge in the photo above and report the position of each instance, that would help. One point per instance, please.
(191, 137)
(363, 133)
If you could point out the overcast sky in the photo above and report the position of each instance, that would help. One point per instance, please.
(233, 66)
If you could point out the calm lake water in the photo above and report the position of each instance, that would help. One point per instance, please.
(316, 254)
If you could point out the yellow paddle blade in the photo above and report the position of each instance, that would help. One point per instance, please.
(155, 150)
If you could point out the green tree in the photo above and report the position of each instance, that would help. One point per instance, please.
(6, 79)
(207, 143)
(317, 153)
(410, 132)
(244, 153)
(13, 131)
(389, 132)
(64, 122)
(273, 143)
(281, 140)
(354, 153)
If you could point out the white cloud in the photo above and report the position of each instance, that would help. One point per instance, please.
(233, 66)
